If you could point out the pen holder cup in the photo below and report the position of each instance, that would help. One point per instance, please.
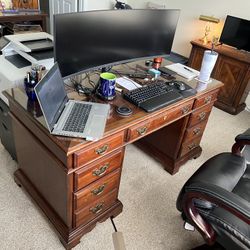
(107, 86)
(29, 88)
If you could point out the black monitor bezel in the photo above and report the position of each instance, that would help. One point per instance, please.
(103, 66)
(221, 40)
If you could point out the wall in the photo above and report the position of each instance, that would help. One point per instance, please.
(189, 27)
(98, 4)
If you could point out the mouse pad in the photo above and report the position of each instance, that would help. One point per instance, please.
(189, 91)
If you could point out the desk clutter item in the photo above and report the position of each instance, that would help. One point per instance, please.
(184, 89)
(154, 72)
(183, 70)
(106, 87)
(153, 96)
(33, 77)
(208, 62)
(127, 83)
(124, 110)
(67, 117)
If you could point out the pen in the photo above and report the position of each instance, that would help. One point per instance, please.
(188, 69)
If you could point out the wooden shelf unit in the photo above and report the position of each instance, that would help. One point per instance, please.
(35, 18)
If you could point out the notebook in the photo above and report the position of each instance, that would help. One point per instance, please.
(69, 117)
(183, 70)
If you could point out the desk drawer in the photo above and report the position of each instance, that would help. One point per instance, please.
(190, 145)
(199, 115)
(206, 99)
(97, 169)
(173, 114)
(87, 214)
(97, 190)
(139, 130)
(98, 149)
(194, 131)
(143, 128)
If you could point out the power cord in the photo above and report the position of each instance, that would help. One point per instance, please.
(118, 240)
(81, 90)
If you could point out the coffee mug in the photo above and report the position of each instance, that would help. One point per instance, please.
(107, 85)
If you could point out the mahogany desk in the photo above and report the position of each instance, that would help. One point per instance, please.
(76, 182)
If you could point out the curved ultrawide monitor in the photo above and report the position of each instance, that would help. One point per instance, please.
(91, 40)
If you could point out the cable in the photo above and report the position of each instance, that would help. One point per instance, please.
(111, 218)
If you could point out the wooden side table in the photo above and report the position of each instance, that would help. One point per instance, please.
(232, 68)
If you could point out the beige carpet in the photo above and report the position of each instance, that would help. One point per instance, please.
(149, 220)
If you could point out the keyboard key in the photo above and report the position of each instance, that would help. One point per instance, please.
(77, 118)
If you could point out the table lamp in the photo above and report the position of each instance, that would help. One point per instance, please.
(208, 20)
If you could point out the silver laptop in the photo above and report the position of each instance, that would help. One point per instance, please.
(68, 117)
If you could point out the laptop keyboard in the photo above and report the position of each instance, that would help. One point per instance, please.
(77, 118)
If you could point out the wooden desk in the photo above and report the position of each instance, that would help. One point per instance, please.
(75, 182)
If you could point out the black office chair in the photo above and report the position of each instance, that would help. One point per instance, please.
(216, 198)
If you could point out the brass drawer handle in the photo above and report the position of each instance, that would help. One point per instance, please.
(185, 110)
(197, 131)
(102, 149)
(99, 190)
(202, 116)
(192, 146)
(97, 209)
(142, 131)
(208, 99)
(101, 171)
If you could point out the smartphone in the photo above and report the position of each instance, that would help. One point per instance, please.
(167, 71)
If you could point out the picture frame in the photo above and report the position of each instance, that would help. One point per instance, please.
(7, 6)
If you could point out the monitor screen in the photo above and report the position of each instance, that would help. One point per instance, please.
(91, 40)
(236, 33)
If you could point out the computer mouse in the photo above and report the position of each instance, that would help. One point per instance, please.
(180, 86)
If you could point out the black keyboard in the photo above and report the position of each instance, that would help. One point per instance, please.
(153, 96)
(77, 118)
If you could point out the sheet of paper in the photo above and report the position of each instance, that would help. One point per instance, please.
(183, 70)
(127, 83)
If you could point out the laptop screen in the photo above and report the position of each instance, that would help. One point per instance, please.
(51, 95)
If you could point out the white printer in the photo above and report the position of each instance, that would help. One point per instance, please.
(22, 51)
